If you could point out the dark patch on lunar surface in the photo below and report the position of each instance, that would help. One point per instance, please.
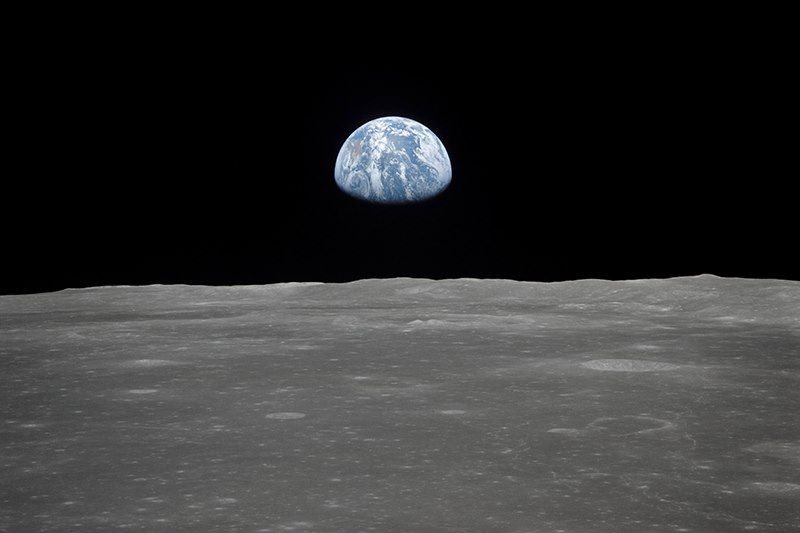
(403, 405)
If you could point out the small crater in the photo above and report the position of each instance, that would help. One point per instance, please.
(285, 416)
(789, 451)
(148, 363)
(630, 425)
(776, 487)
(432, 323)
(567, 432)
(295, 526)
(646, 347)
(628, 365)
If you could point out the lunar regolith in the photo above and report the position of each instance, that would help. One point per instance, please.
(403, 405)
(628, 365)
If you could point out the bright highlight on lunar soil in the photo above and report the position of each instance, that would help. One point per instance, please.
(393, 160)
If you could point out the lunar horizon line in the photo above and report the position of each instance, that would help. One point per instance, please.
(705, 275)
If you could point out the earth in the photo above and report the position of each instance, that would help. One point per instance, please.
(393, 160)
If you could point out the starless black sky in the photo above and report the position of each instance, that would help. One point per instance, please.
(181, 165)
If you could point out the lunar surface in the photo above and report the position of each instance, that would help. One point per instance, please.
(403, 405)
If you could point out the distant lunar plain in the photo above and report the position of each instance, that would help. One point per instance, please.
(403, 405)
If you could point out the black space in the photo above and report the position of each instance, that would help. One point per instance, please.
(180, 165)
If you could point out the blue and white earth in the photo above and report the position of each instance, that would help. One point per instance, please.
(393, 160)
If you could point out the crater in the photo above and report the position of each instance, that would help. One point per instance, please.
(148, 363)
(285, 416)
(630, 425)
(776, 487)
(628, 365)
(567, 432)
(646, 347)
(789, 451)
